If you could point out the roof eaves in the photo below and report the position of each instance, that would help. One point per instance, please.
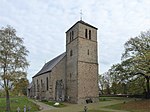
(82, 22)
(51, 63)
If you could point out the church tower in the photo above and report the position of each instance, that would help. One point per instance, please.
(82, 63)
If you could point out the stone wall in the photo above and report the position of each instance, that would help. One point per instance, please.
(87, 51)
(81, 32)
(58, 73)
(87, 81)
(40, 83)
(82, 66)
(43, 92)
(71, 74)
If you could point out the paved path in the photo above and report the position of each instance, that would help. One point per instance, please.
(43, 106)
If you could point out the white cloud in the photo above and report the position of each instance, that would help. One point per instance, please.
(42, 24)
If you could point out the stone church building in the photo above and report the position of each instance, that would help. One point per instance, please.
(73, 75)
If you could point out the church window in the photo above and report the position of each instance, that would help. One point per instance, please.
(70, 52)
(90, 34)
(70, 76)
(70, 39)
(47, 83)
(85, 33)
(37, 85)
(88, 52)
(37, 82)
(41, 82)
(72, 35)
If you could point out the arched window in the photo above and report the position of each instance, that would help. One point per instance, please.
(90, 34)
(47, 83)
(85, 33)
(37, 85)
(37, 82)
(72, 35)
(41, 83)
(88, 52)
(70, 76)
(70, 39)
(70, 52)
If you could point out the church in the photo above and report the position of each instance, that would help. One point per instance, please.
(73, 75)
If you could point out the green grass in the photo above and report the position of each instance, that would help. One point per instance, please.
(115, 104)
(115, 98)
(133, 106)
(106, 104)
(16, 102)
(51, 103)
(104, 99)
(95, 111)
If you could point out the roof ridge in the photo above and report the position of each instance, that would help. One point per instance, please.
(82, 22)
(50, 64)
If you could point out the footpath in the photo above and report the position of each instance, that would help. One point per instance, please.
(77, 108)
(43, 106)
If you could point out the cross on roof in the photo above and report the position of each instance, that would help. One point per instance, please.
(81, 14)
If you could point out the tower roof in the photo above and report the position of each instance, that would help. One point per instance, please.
(49, 65)
(82, 22)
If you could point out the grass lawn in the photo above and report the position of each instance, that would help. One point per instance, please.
(18, 102)
(133, 106)
(92, 107)
(51, 103)
(115, 98)
(95, 111)
(106, 104)
(109, 104)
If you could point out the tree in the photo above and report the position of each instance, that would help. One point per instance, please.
(13, 62)
(20, 86)
(124, 80)
(107, 82)
(137, 86)
(114, 76)
(119, 77)
(101, 80)
(137, 50)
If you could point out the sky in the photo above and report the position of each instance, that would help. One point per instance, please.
(43, 23)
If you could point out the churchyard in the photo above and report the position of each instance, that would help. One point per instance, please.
(106, 104)
(109, 104)
(20, 102)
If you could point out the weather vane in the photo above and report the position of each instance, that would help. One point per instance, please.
(81, 15)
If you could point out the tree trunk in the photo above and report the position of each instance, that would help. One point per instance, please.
(148, 87)
(7, 101)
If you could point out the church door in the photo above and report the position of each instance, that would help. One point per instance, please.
(59, 93)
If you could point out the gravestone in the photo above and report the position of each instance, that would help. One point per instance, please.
(85, 108)
(18, 109)
(24, 108)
